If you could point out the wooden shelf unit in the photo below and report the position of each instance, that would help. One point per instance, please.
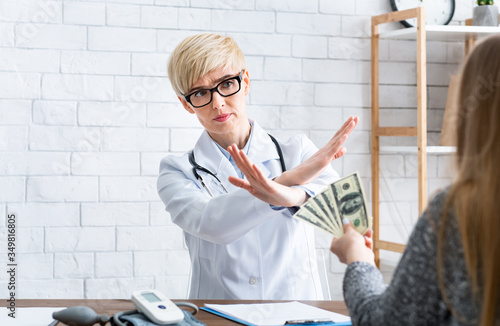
(377, 131)
(421, 33)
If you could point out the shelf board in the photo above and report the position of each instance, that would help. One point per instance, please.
(442, 33)
(414, 150)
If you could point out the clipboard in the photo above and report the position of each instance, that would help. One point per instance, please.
(244, 322)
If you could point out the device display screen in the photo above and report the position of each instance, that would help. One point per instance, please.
(151, 297)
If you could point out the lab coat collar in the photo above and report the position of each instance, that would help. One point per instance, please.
(262, 149)
(208, 155)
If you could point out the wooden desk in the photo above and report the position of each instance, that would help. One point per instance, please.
(111, 307)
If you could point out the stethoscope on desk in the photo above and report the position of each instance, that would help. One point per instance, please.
(196, 167)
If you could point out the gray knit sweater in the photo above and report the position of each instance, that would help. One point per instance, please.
(413, 296)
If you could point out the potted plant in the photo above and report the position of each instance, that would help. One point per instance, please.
(485, 14)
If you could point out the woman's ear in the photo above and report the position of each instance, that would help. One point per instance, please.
(246, 79)
(186, 105)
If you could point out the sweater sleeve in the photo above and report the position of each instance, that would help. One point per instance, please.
(412, 298)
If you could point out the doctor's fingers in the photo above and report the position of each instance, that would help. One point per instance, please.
(239, 157)
(260, 178)
(334, 144)
(240, 183)
(251, 172)
(346, 123)
(346, 129)
(341, 152)
(252, 185)
(331, 150)
(241, 160)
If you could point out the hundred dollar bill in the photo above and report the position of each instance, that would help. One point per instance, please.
(323, 203)
(350, 201)
(329, 199)
(320, 212)
(307, 216)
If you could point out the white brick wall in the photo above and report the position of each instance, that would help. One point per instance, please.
(17, 85)
(103, 114)
(113, 264)
(123, 15)
(31, 11)
(124, 189)
(49, 36)
(7, 36)
(23, 60)
(87, 112)
(95, 63)
(73, 265)
(31, 240)
(79, 239)
(46, 214)
(77, 87)
(159, 17)
(62, 189)
(109, 214)
(84, 13)
(309, 46)
(121, 39)
(57, 113)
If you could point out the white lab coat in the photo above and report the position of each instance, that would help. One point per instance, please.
(240, 247)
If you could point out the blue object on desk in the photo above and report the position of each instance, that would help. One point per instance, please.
(139, 319)
(243, 322)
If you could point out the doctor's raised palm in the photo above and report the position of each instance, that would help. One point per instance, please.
(279, 191)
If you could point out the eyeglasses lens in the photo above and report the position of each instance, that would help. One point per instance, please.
(226, 88)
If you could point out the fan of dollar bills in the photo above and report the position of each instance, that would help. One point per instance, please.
(344, 198)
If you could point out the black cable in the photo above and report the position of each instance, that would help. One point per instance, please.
(190, 305)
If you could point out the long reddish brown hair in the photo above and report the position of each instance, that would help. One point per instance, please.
(475, 194)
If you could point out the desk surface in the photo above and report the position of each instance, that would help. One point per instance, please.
(111, 307)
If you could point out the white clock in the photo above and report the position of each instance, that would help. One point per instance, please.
(437, 12)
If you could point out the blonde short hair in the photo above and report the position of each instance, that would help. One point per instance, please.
(200, 54)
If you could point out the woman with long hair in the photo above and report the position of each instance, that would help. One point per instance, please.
(450, 271)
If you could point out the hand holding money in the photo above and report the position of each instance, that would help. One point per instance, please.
(352, 246)
(344, 198)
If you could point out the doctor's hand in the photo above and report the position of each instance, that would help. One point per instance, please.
(311, 168)
(353, 246)
(262, 187)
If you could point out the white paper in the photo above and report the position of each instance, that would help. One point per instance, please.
(29, 316)
(267, 314)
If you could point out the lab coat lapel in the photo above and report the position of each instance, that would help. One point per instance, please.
(262, 150)
(208, 155)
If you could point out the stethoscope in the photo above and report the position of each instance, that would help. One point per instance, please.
(196, 167)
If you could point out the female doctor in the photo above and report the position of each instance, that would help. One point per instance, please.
(241, 246)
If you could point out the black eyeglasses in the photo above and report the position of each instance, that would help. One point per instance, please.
(225, 88)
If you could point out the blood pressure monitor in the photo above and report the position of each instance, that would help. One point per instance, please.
(157, 307)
